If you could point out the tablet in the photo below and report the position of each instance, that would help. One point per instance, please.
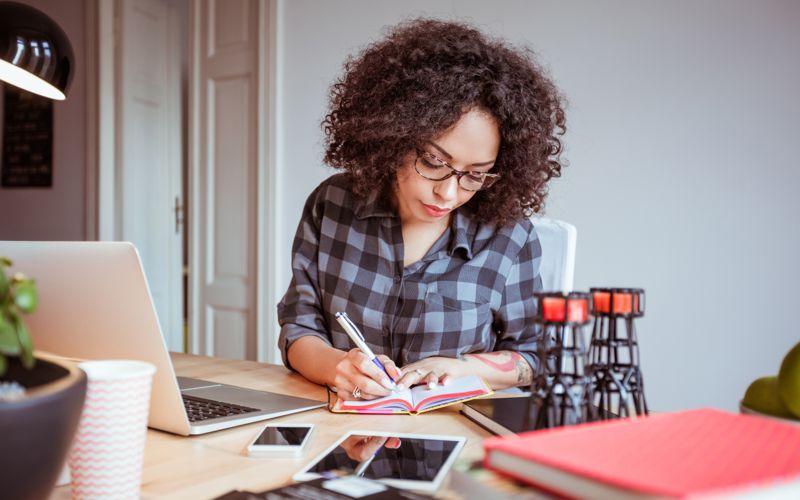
(409, 461)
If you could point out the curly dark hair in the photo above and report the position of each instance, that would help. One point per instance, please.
(410, 87)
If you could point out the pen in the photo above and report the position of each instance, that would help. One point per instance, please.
(355, 335)
(363, 465)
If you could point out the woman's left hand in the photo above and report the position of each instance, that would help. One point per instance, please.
(432, 371)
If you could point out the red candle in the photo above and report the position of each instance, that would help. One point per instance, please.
(601, 301)
(554, 309)
(578, 310)
(623, 302)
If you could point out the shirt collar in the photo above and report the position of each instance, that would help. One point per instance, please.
(460, 228)
(377, 204)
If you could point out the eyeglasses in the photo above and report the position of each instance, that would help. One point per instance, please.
(433, 168)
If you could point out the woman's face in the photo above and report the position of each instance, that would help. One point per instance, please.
(471, 144)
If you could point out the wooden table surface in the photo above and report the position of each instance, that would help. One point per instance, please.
(203, 467)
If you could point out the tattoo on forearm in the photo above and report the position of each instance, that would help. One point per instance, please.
(524, 372)
(514, 362)
(505, 366)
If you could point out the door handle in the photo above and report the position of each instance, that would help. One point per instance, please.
(178, 215)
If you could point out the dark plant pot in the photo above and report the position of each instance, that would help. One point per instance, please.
(37, 430)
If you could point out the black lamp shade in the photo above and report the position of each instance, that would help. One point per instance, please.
(35, 53)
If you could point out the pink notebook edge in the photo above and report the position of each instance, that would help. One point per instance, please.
(460, 397)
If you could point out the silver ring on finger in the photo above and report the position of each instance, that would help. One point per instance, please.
(356, 392)
(419, 373)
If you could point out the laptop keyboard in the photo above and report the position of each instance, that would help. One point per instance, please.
(199, 409)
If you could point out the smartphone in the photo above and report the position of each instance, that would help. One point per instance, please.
(281, 440)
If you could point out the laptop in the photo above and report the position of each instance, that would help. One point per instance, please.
(94, 303)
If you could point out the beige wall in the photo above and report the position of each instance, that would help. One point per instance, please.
(57, 213)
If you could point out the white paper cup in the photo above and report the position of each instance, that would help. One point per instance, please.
(107, 454)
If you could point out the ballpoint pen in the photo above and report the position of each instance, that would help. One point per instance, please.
(355, 335)
(361, 468)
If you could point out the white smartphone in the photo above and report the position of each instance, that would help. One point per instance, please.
(281, 440)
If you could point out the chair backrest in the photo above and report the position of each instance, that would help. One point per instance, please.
(558, 240)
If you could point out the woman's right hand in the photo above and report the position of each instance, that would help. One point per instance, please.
(355, 370)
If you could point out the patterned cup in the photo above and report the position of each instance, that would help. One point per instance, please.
(107, 454)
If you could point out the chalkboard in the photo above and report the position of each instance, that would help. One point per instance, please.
(27, 140)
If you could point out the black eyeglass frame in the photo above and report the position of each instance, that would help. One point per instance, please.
(488, 178)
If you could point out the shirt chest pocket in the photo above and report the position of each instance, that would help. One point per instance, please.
(451, 327)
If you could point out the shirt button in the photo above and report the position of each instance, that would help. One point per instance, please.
(397, 279)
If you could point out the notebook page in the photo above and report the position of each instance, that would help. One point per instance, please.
(389, 402)
(456, 390)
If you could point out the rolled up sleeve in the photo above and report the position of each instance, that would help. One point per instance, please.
(299, 312)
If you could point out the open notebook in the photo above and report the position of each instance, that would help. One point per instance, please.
(419, 399)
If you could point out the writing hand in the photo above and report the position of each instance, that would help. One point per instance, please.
(432, 371)
(356, 370)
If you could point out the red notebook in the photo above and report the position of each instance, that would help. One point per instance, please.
(693, 453)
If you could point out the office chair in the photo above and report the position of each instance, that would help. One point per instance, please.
(557, 267)
(558, 240)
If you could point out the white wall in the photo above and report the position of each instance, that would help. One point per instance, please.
(59, 212)
(683, 144)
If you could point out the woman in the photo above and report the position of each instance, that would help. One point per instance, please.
(446, 140)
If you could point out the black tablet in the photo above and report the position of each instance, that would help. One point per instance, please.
(409, 461)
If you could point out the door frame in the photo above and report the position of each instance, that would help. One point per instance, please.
(102, 180)
(266, 294)
(92, 120)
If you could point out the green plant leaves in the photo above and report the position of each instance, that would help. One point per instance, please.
(25, 296)
(18, 296)
(9, 344)
(25, 344)
(4, 284)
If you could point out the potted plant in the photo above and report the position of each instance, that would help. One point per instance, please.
(41, 398)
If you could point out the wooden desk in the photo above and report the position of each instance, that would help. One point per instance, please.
(207, 466)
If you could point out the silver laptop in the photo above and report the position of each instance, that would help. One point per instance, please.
(94, 303)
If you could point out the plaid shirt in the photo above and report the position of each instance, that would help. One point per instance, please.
(472, 292)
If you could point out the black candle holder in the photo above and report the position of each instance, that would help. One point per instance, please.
(614, 353)
(561, 393)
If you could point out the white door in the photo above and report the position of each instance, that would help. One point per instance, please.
(224, 176)
(148, 151)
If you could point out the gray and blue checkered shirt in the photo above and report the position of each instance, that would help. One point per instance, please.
(472, 292)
